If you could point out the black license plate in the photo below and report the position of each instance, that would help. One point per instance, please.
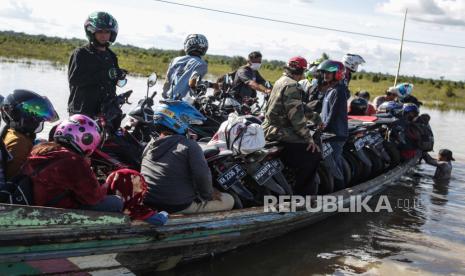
(359, 143)
(327, 150)
(377, 139)
(229, 177)
(267, 170)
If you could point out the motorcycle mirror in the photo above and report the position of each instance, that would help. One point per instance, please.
(152, 79)
(121, 83)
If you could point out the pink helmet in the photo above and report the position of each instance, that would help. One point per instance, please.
(80, 131)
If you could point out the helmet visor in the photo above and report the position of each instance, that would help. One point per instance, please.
(41, 108)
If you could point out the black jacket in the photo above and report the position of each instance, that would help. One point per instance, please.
(89, 82)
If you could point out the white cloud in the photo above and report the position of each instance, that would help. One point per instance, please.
(446, 12)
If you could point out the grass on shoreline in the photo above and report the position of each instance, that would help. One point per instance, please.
(440, 94)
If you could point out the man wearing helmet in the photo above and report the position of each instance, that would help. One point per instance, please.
(24, 113)
(390, 95)
(93, 70)
(182, 68)
(174, 166)
(351, 63)
(247, 80)
(286, 121)
(334, 111)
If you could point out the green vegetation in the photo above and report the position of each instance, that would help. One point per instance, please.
(442, 94)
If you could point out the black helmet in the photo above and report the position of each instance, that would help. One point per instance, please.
(358, 106)
(25, 111)
(100, 21)
(196, 43)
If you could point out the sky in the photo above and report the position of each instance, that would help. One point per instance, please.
(149, 23)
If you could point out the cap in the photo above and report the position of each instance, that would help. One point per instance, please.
(446, 153)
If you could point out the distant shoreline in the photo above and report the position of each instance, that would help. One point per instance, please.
(438, 94)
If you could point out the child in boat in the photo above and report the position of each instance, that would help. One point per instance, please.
(62, 176)
(443, 164)
(60, 170)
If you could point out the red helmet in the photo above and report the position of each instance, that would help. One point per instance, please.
(297, 62)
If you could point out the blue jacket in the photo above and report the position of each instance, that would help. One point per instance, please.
(334, 111)
(179, 73)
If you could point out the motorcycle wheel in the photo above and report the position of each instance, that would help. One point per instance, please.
(282, 181)
(365, 172)
(378, 164)
(347, 171)
(355, 168)
(393, 152)
(326, 181)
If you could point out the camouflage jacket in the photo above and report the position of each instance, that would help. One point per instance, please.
(285, 117)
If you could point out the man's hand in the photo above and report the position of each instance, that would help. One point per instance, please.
(312, 147)
(117, 74)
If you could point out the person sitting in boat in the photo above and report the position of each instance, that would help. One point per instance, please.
(179, 179)
(24, 113)
(357, 106)
(390, 95)
(443, 164)
(371, 110)
(409, 148)
(286, 121)
(61, 173)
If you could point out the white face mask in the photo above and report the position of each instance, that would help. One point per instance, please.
(255, 66)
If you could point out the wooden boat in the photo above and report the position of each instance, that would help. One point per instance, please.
(37, 240)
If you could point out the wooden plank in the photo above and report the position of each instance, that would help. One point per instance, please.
(19, 216)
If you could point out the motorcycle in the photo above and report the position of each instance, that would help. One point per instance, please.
(139, 125)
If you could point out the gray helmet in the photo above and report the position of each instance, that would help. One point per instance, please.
(196, 43)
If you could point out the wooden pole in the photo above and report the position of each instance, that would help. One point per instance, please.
(401, 45)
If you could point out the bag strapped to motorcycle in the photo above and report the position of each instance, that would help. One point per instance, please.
(239, 137)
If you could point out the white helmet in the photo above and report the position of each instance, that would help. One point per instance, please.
(352, 61)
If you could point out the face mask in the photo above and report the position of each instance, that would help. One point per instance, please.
(255, 66)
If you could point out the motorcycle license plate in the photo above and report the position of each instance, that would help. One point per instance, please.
(359, 143)
(229, 177)
(327, 150)
(267, 170)
(377, 139)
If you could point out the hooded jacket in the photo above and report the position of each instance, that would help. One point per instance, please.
(176, 171)
(67, 173)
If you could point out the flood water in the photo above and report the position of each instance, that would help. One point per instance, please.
(424, 235)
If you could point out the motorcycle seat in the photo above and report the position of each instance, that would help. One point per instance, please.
(209, 150)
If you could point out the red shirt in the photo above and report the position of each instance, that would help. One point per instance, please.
(371, 110)
(71, 172)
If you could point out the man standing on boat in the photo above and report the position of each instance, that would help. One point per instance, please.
(286, 121)
(247, 80)
(334, 113)
(183, 68)
(93, 70)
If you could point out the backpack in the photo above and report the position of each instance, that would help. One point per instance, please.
(19, 189)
